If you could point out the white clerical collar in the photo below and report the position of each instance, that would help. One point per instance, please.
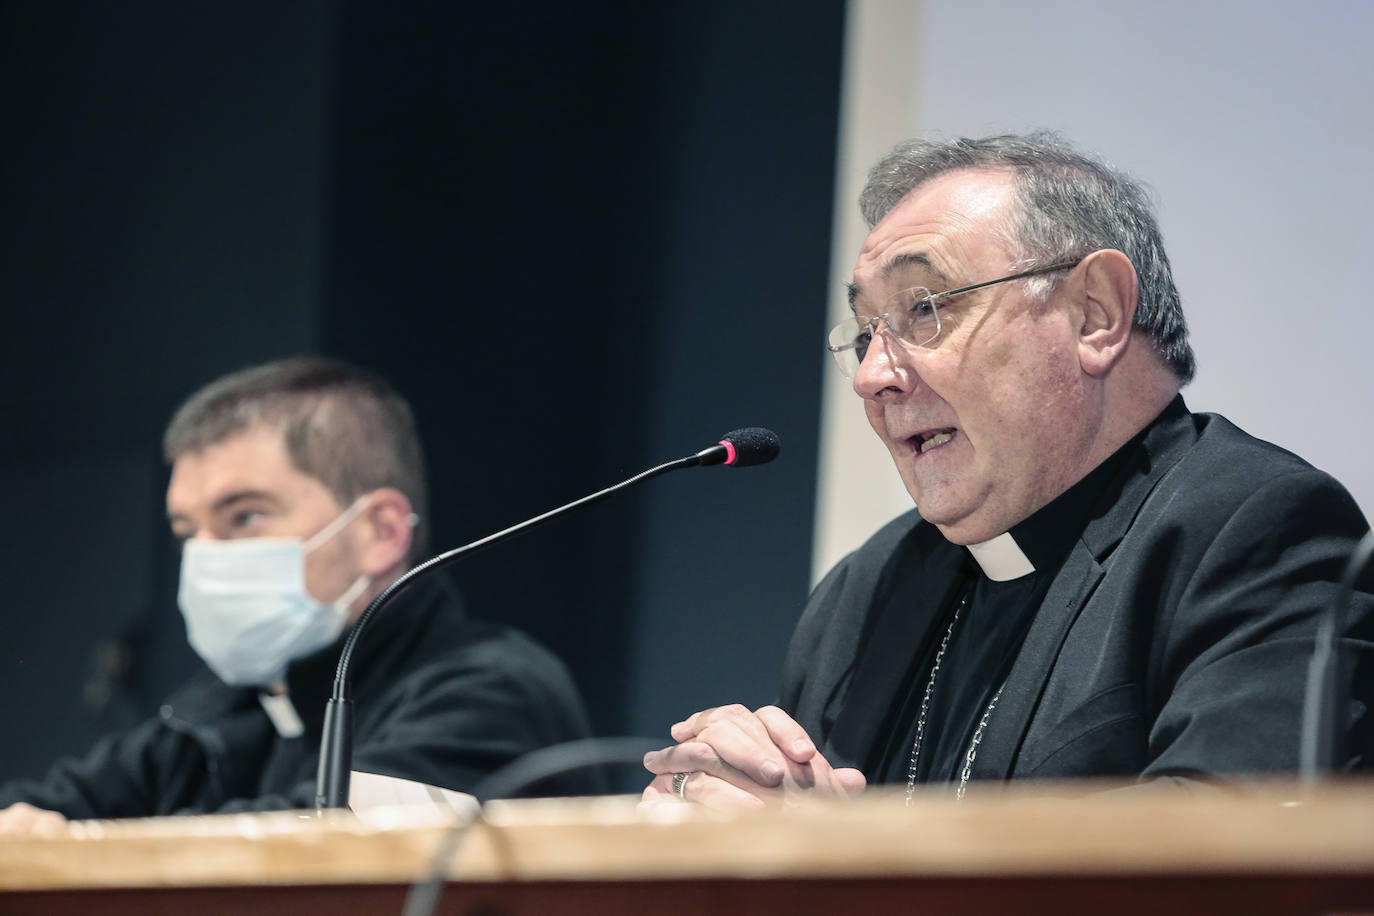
(1001, 558)
(283, 714)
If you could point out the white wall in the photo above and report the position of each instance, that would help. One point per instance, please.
(1253, 123)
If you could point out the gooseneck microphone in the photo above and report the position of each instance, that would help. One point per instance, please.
(741, 448)
(1319, 751)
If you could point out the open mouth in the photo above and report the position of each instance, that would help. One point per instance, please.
(931, 439)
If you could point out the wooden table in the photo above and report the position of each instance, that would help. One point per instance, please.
(1256, 849)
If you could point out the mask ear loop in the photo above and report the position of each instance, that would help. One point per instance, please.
(344, 602)
(337, 525)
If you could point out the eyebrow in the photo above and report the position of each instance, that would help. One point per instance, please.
(909, 259)
(228, 500)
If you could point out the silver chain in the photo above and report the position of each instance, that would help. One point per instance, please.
(977, 740)
(925, 704)
(972, 751)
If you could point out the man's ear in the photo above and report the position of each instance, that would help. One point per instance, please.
(1110, 290)
(389, 530)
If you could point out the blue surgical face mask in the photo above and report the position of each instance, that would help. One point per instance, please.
(246, 608)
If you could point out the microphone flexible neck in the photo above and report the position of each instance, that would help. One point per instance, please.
(336, 743)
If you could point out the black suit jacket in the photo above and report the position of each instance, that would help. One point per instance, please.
(1174, 640)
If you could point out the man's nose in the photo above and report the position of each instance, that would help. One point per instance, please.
(886, 369)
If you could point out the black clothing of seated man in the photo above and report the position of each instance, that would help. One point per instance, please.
(440, 699)
(984, 641)
(1173, 642)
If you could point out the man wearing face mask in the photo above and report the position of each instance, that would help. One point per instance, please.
(298, 491)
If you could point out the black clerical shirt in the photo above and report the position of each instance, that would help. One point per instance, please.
(985, 638)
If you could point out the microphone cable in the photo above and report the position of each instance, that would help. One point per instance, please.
(508, 780)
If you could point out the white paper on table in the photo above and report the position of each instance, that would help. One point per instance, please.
(383, 801)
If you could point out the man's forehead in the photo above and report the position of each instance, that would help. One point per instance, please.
(253, 458)
(972, 191)
(908, 262)
(904, 264)
(954, 217)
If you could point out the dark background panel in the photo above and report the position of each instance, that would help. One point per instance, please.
(161, 221)
(581, 241)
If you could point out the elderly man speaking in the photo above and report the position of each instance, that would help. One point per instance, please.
(1097, 581)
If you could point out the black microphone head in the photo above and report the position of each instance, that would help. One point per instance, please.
(751, 445)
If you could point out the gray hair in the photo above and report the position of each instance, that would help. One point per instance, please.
(340, 424)
(1068, 206)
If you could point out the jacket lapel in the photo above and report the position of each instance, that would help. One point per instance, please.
(916, 589)
(1159, 450)
(1007, 726)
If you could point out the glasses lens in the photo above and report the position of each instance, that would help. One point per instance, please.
(911, 316)
(848, 343)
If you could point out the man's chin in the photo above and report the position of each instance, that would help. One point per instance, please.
(962, 528)
(956, 535)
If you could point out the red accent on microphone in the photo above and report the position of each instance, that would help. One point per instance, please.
(729, 451)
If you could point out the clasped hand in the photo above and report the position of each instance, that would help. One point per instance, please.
(740, 759)
(22, 818)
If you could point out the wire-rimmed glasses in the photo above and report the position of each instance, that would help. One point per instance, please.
(912, 316)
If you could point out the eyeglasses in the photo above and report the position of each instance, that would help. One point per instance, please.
(912, 316)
